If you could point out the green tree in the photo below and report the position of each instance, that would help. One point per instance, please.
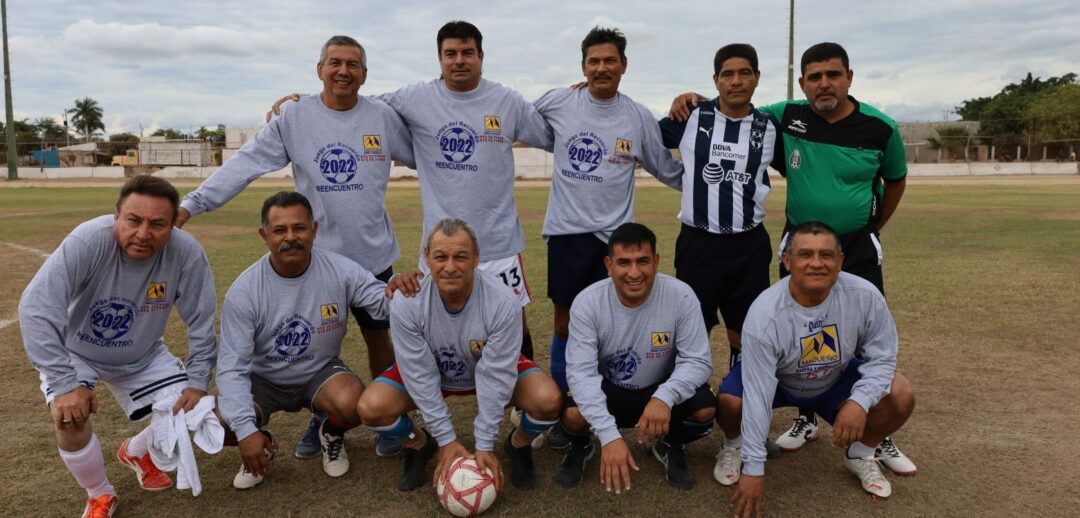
(1056, 114)
(216, 136)
(86, 116)
(49, 130)
(123, 137)
(1005, 115)
(951, 139)
(169, 134)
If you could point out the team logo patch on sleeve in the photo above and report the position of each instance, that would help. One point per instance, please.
(492, 124)
(155, 292)
(329, 313)
(821, 348)
(623, 147)
(661, 340)
(476, 346)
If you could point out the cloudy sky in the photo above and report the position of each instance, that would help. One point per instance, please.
(192, 63)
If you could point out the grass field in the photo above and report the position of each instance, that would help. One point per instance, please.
(982, 277)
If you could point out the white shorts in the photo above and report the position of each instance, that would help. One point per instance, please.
(136, 391)
(510, 270)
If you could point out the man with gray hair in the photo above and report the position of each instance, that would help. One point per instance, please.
(341, 146)
(460, 335)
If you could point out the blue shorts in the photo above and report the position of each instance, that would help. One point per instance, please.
(574, 262)
(825, 405)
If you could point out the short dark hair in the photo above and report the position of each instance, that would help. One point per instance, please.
(150, 186)
(286, 199)
(345, 41)
(600, 35)
(735, 50)
(460, 30)
(630, 234)
(824, 52)
(810, 227)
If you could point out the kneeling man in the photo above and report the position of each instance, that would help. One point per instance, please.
(638, 356)
(97, 310)
(282, 324)
(460, 335)
(819, 338)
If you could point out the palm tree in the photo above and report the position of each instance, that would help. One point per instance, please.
(86, 117)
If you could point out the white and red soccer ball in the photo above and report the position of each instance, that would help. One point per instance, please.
(466, 490)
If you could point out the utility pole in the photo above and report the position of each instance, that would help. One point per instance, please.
(791, 50)
(12, 158)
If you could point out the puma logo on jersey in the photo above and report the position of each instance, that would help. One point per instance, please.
(706, 131)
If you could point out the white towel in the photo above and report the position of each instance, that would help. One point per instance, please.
(170, 442)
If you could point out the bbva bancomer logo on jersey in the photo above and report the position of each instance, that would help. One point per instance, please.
(338, 163)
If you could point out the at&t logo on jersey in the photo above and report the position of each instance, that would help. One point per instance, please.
(622, 366)
(714, 173)
(110, 319)
(373, 150)
(457, 142)
(338, 163)
(292, 339)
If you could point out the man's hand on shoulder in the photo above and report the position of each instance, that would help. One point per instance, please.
(276, 109)
(408, 283)
(182, 217)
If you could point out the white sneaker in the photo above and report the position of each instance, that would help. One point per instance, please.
(246, 479)
(335, 461)
(801, 432)
(728, 467)
(869, 472)
(894, 459)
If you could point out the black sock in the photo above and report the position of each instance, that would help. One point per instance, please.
(329, 428)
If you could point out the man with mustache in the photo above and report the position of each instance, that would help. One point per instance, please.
(638, 356)
(341, 147)
(460, 335)
(844, 163)
(97, 310)
(600, 135)
(282, 323)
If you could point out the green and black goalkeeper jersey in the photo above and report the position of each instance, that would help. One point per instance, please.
(835, 171)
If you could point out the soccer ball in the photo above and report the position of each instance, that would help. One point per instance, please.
(585, 155)
(294, 339)
(111, 321)
(466, 490)
(457, 144)
(338, 167)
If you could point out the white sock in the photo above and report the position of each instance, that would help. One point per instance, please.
(858, 450)
(733, 444)
(88, 467)
(140, 444)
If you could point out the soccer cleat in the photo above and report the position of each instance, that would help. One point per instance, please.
(801, 432)
(385, 447)
(309, 445)
(522, 471)
(150, 477)
(869, 472)
(728, 467)
(557, 438)
(335, 460)
(101, 507)
(572, 469)
(894, 459)
(673, 457)
(412, 476)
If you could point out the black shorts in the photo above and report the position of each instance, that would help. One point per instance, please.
(363, 317)
(862, 254)
(574, 262)
(726, 271)
(626, 406)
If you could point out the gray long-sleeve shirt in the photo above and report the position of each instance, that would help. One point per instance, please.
(91, 300)
(596, 146)
(661, 341)
(805, 350)
(341, 163)
(462, 142)
(475, 348)
(285, 330)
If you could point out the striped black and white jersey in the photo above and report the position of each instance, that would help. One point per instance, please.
(725, 164)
